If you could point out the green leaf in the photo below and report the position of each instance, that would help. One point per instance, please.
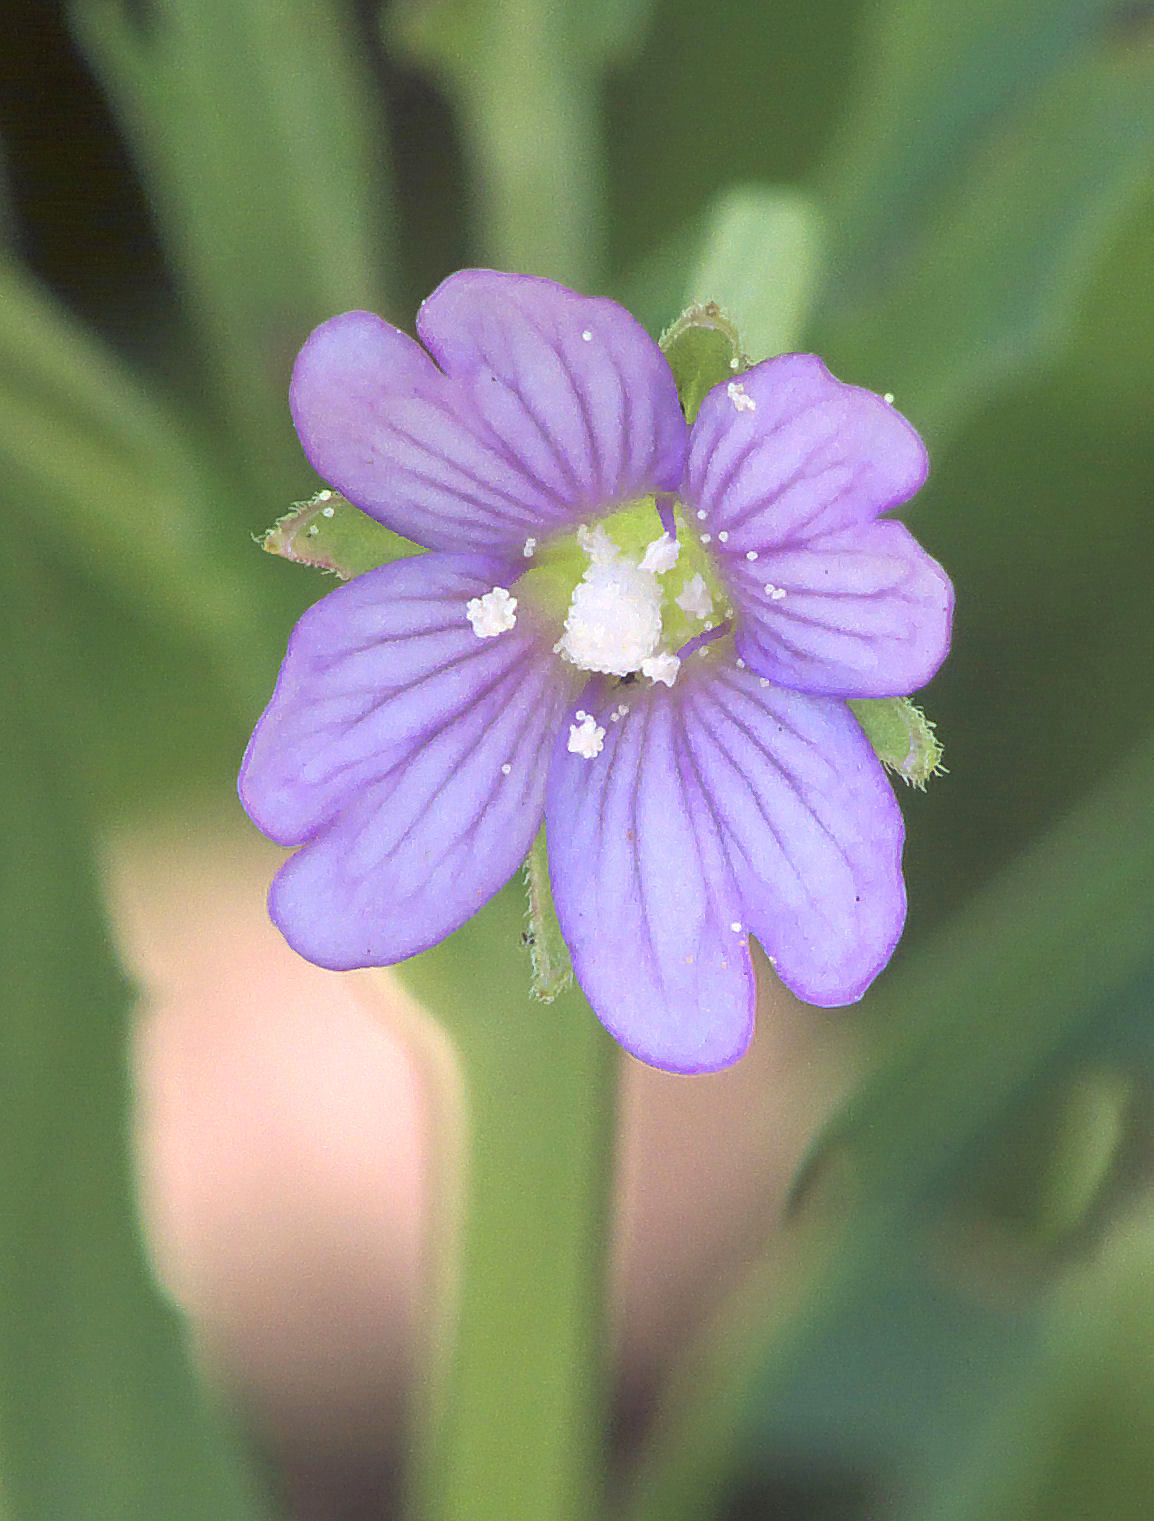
(993, 285)
(331, 534)
(902, 736)
(931, 80)
(258, 133)
(703, 348)
(760, 259)
(100, 472)
(101, 1415)
(969, 1017)
(523, 78)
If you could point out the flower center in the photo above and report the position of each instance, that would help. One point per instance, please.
(614, 617)
(630, 593)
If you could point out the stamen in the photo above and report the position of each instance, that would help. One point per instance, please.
(586, 738)
(661, 555)
(494, 613)
(741, 402)
(666, 502)
(694, 598)
(699, 641)
(663, 668)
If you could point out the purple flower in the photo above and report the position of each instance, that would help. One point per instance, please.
(642, 634)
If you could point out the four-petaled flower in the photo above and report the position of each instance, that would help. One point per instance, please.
(642, 634)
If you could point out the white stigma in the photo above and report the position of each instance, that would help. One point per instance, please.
(586, 738)
(741, 402)
(661, 555)
(614, 617)
(494, 613)
(694, 598)
(663, 668)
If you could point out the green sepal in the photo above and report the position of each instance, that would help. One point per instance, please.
(331, 534)
(902, 736)
(548, 953)
(703, 348)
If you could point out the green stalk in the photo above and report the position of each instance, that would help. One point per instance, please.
(510, 1410)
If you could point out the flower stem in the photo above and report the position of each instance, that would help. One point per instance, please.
(509, 1416)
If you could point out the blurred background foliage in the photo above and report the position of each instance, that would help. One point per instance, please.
(952, 203)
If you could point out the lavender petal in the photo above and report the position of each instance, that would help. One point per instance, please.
(527, 427)
(860, 613)
(787, 453)
(717, 809)
(406, 755)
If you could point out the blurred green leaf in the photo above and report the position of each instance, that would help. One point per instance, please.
(101, 1415)
(613, 29)
(969, 1017)
(993, 284)
(932, 80)
(96, 469)
(760, 259)
(523, 77)
(260, 138)
(1077, 1441)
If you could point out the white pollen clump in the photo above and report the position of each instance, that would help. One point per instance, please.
(888, 398)
(701, 514)
(736, 927)
(751, 554)
(774, 592)
(663, 668)
(740, 664)
(323, 496)
(661, 555)
(704, 537)
(614, 617)
(723, 537)
(328, 512)
(597, 544)
(586, 738)
(587, 335)
(494, 613)
(741, 402)
(694, 598)
(530, 546)
(506, 768)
